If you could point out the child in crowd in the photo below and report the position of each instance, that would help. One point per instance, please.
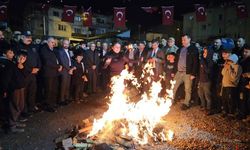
(78, 77)
(205, 74)
(170, 68)
(12, 88)
(231, 73)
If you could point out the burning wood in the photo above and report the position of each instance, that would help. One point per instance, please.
(138, 119)
(129, 123)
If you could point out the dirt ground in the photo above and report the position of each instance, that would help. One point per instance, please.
(192, 128)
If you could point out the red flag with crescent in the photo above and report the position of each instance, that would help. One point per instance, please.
(87, 17)
(120, 17)
(242, 12)
(3, 12)
(200, 13)
(68, 13)
(167, 15)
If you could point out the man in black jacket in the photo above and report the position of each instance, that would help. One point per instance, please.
(50, 72)
(31, 67)
(92, 63)
(187, 69)
(141, 58)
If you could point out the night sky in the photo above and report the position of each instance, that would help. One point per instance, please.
(135, 15)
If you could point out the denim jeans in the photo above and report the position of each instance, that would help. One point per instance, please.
(182, 77)
(205, 94)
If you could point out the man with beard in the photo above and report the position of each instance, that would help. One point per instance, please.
(171, 47)
(65, 74)
(31, 67)
(217, 48)
(238, 50)
(245, 84)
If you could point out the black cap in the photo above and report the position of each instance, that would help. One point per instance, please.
(27, 33)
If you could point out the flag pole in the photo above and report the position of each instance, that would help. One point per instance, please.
(44, 25)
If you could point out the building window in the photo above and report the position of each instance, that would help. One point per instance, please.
(61, 27)
(219, 30)
(77, 30)
(56, 14)
(100, 21)
(78, 18)
(220, 17)
(204, 27)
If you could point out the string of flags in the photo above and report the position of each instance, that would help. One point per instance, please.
(120, 13)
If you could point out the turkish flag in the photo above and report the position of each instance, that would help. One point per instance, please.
(167, 15)
(119, 17)
(87, 17)
(3, 13)
(150, 9)
(200, 13)
(242, 11)
(68, 13)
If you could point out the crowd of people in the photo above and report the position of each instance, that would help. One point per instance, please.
(43, 76)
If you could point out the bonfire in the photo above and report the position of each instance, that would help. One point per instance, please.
(134, 121)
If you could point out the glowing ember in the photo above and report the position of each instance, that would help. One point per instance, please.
(136, 120)
(170, 135)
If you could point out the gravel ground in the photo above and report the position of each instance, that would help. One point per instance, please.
(192, 129)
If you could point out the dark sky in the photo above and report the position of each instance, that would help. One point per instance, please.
(135, 15)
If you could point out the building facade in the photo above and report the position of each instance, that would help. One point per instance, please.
(50, 24)
(222, 21)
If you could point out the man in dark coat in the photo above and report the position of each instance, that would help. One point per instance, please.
(92, 62)
(31, 67)
(141, 58)
(65, 74)
(156, 57)
(50, 72)
(187, 69)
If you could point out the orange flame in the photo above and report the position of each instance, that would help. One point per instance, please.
(142, 117)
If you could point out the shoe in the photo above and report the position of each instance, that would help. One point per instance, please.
(224, 115)
(50, 109)
(26, 115)
(20, 125)
(37, 109)
(81, 100)
(202, 108)
(23, 120)
(16, 130)
(63, 103)
(241, 117)
(209, 113)
(184, 107)
(85, 95)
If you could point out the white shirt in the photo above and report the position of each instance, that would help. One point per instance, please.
(67, 52)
